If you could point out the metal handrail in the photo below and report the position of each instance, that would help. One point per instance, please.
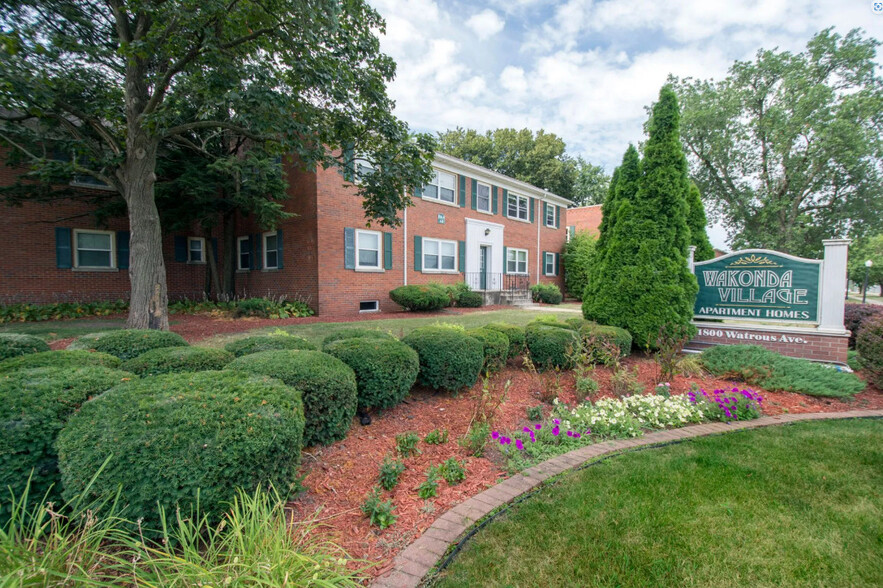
(495, 282)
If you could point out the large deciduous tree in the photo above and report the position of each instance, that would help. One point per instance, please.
(869, 249)
(591, 184)
(112, 83)
(787, 148)
(697, 221)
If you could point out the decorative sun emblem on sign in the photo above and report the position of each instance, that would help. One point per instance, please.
(755, 260)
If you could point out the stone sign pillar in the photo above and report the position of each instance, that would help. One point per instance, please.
(834, 284)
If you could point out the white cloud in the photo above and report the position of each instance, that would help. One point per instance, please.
(512, 79)
(486, 24)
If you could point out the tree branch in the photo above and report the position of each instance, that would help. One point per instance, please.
(211, 124)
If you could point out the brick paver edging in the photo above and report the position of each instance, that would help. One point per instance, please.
(412, 565)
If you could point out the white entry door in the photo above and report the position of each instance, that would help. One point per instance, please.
(484, 255)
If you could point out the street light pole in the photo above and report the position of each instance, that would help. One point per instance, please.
(868, 265)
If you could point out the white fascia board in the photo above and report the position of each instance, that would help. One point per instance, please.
(458, 166)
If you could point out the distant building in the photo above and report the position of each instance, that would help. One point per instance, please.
(584, 218)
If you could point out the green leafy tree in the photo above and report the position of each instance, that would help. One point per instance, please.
(643, 279)
(697, 222)
(537, 158)
(111, 84)
(579, 259)
(787, 148)
(870, 248)
(591, 184)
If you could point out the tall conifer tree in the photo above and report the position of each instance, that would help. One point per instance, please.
(643, 281)
(697, 221)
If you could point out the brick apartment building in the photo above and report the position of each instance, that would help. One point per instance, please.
(498, 234)
(585, 218)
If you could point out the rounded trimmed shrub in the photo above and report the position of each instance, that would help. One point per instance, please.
(16, 344)
(546, 293)
(577, 323)
(869, 344)
(35, 405)
(550, 321)
(496, 348)
(470, 299)
(599, 338)
(169, 360)
(62, 358)
(357, 333)
(421, 297)
(514, 333)
(177, 436)
(449, 359)
(856, 315)
(328, 387)
(551, 346)
(128, 343)
(258, 343)
(385, 369)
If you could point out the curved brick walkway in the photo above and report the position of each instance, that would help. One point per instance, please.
(412, 565)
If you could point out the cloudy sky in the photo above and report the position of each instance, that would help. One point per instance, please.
(582, 69)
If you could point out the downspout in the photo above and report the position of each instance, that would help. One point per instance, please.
(540, 221)
(405, 248)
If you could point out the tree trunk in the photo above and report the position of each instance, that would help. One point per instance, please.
(214, 284)
(228, 246)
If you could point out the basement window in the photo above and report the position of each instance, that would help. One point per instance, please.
(369, 306)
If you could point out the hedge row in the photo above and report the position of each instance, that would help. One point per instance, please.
(258, 343)
(167, 360)
(127, 343)
(61, 358)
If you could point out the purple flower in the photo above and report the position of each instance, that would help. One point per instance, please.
(495, 435)
(557, 422)
(519, 445)
(538, 426)
(576, 435)
(526, 429)
(556, 430)
(570, 433)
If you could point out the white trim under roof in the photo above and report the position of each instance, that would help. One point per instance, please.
(458, 166)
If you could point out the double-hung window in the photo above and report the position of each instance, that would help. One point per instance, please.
(94, 249)
(483, 197)
(516, 261)
(550, 215)
(517, 207)
(243, 253)
(362, 168)
(368, 252)
(195, 250)
(549, 264)
(440, 187)
(439, 255)
(271, 250)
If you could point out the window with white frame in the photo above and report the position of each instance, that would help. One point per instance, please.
(271, 250)
(549, 264)
(439, 255)
(195, 250)
(94, 249)
(516, 261)
(550, 215)
(362, 168)
(441, 186)
(483, 197)
(368, 252)
(243, 253)
(517, 207)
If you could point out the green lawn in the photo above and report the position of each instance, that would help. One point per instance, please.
(52, 330)
(316, 332)
(797, 505)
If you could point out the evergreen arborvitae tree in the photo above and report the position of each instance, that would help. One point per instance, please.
(697, 222)
(643, 281)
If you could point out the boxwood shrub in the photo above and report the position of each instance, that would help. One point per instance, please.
(327, 384)
(470, 299)
(60, 358)
(128, 343)
(385, 369)
(169, 360)
(869, 345)
(16, 344)
(35, 405)
(449, 359)
(176, 435)
(357, 333)
(550, 321)
(514, 333)
(259, 343)
(550, 346)
(547, 293)
(421, 297)
(761, 367)
(598, 339)
(855, 316)
(496, 348)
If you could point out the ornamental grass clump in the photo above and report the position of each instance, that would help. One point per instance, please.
(178, 440)
(61, 358)
(168, 360)
(128, 343)
(15, 345)
(327, 385)
(275, 342)
(449, 359)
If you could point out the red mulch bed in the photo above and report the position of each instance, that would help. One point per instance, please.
(339, 476)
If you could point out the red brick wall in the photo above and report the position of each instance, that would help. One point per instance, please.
(804, 344)
(585, 218)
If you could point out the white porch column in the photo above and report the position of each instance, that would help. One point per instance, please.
(833, 295)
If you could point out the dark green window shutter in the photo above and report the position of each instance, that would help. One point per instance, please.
(505, 202)
(64, 258)
(494, 199)
(505, 255)
(461, 249)
(123, 249)
(387, 250)
(545, 210)
(543, 260)
(557, 263)
(557, 217)
(258, 247)
(349, 248)
(418, 192)
(462, 191)
(474, 193)
(180, 248)
(279, 248)
(418, 253)
(349, 166)
(532, 203)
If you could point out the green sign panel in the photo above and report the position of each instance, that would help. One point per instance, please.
(758, 285)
